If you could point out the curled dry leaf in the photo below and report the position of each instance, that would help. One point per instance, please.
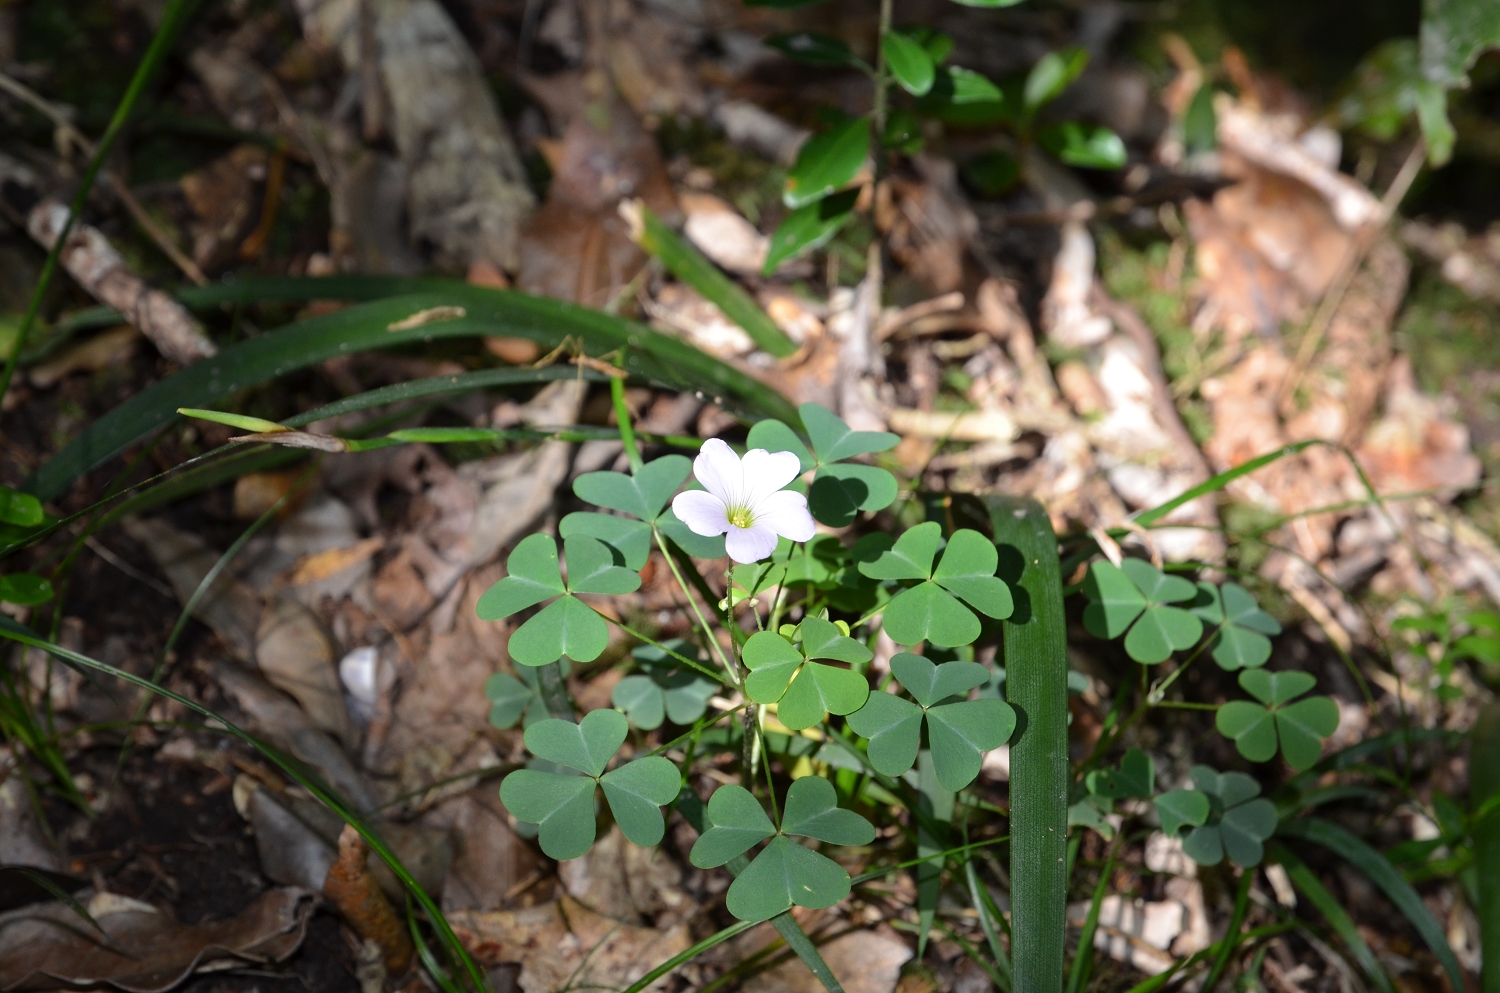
(143, 949)
(353, 890)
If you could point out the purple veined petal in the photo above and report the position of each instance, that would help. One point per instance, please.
(702, 512)
(766, 472)
(746, 545)
(785, 512)
(718, 469)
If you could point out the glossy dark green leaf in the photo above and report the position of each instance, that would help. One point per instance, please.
(592, 569)
(894, 729)
(783, 874)
(737, 822)
(968, 569)
(626, 535)
(636, 793)
(1181, 808)
(815, 49)
(827, 162)
(960, 734)
(910, 557)
(965, 86)
(1086, 146)
(808, 228)
(562, 807)
(20, 509)
(812, 810)
(534, 576)
(1052, 74)
(567, 626)
(586, 746)
(643, 494)
(25, 589)
(927, 612)
(908, 62)
(932, 684)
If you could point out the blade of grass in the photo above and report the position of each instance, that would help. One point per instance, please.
(983, 903)
(1484, 791)
(173, 17)
(1035, 643)
(17, 632)
(1333, 912)
(1149, 517)
(387, 323)
(688, 954)
(1231, 936)
(688, 264)
(1378, 869)
(1083, 959)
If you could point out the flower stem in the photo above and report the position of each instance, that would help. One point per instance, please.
(713, 643)
(554, 694)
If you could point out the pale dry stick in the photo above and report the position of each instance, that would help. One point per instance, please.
(133, 206)
(1344, 277)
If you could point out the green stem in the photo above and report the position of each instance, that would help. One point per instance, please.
(549, 681)
(622, 417)
(708, 633)
(1236, 921)
(172, 21)
(881, 80)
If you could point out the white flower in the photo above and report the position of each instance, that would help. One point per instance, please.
(743, 500)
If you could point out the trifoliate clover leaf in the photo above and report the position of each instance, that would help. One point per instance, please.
(931, 611)
(959, 731)
(784, 873)
(663, 689)
(1134, 599)
(1136, 777)
(805, 690)
(567, 626)
(562, 806)
(1181, 808)
(1301, 727)
(643, 495)
(1241, 640)
(1237, 825)
(839, 490)
(626, 535)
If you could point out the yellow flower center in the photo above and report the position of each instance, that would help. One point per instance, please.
(741, 517)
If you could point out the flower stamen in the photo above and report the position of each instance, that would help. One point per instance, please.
(740, 517)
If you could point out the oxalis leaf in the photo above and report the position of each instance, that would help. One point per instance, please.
(1136, 777)
(562, 806)
(931, 611)
(1135, 599)
(1237, 824)
(1241, 641)
(959, 731)
(516, 698)
(839, 490)
(805, 690)
(1300, 726)
(643, 494)
(663, 689)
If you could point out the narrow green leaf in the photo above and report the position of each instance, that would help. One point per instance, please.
(827, 163)
(1484, 793)
(894, 729)
(736, 823)
(1338, 918)
(809, 228)
(255, 425)
(586, 746)
(1036, 685)
(592, 569)
(566, 626)
(1052, 74)
(910, 557)
(909, 63)
(812, 810)
(636, 793)
(562, 807)
(783, 874)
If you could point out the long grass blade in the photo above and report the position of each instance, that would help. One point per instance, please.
(1378, 869)
(1333, 912)
(983, 905)
(1083, 960)
(1231, 936)
(1223, 479)
(17, 632)
(421, 317)
(688, 954)
(1035, 643)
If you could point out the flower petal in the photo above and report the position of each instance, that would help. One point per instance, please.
(702, 512)
(766, 472)
(785, 512)
(718, 469)
(746, 545)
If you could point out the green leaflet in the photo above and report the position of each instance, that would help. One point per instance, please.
(827, 162)
(783, 874)
(1237, 825)
(959, 731)
(1300, 727)
(25, 589)
(908, 62)
(664, 688)
(1181, 808)
(562, 806)
(840, 490)
(1136, 777)
(1241, 641)
(1134, 599)
(803, 689)
(931, 611)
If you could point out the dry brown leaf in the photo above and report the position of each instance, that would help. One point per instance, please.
(114, 347)
(330, 562)
(297, 657)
